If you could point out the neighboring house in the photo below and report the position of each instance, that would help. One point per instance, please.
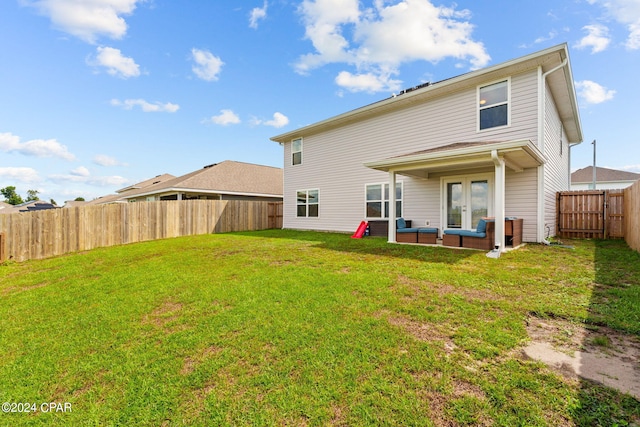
(228, 180)
(492, 142)
(119, 197)
(606, 179)
(5, 207)
(34, 205)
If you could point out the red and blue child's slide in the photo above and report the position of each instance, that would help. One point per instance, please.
(362, 228)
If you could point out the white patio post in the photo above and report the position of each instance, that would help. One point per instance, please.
(499, 199)
(392, 206)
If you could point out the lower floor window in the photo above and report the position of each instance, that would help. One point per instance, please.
(377, 200)
(307, 203)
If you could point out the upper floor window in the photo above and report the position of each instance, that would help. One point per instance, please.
(493, 105)
(296, 151)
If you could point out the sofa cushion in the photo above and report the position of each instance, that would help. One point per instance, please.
(401, 223)
(427, 230)
(407, 230)
(472, 233)
(454, 231)
(467, 233)
(482, 226)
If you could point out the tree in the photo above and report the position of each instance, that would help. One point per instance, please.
(53, 202)
(32, 195)
(79, 199)
(11, 196)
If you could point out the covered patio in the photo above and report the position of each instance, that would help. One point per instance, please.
(492, 157)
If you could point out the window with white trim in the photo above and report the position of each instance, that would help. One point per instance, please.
(307, 203)
(493, 105)
(377, 200)
(296, 151)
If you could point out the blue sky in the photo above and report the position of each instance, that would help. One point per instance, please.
(99, 94)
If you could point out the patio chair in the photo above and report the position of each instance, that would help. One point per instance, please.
(483, 237)
(405, 234)
(427, 235)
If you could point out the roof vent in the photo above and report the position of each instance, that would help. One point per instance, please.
(210, 166)
(411, 89)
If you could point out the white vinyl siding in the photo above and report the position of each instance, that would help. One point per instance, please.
(557, 167)
(333, 160)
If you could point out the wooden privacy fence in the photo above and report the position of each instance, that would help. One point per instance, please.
(632, 216)
(47, 233)
(593, 214)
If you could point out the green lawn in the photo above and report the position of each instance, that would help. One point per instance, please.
(301, 328)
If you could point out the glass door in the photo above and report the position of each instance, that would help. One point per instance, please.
(455, 204)
(466, 199)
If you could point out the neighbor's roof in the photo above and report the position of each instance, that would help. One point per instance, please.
(151, 181)
(228, 177)
(32, 205)
(6, 207)
(602, 175)
(560, 84)
(116, 198)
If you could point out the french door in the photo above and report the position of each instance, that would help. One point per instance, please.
(466, 199)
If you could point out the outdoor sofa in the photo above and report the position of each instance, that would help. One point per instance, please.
(407, 234)
(483, 237)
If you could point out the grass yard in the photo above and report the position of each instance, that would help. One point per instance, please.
(300, 328)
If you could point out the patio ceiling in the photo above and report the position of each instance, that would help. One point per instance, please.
(518, 155)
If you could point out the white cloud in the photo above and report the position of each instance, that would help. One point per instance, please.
(104, 160)
(369, 82)
(257, 14)
(80, 171)
(279, 120)
(116, 64)
(35, 147)
(597, 38)
(626, 12)
(550, 36)
(100, 181)
(226, 117)
(147, 107)
(20, 174)
(207, 65)
(593, 93)
(633, 42)
(87, 20)
(376, 41)
(630, 168)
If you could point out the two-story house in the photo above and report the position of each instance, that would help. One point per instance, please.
(491, 142)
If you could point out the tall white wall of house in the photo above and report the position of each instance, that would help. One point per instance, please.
(556, 150)
(333, 161)
(521, 200)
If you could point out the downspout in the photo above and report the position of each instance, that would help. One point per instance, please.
(542, 101)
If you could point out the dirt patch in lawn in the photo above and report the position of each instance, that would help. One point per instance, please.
(423, 331)
(598, 354)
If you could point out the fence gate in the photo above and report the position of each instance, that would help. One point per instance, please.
(590, 214)
(275, 214)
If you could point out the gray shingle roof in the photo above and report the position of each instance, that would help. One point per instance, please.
(228, 177)
(146, 183)
(602, 175)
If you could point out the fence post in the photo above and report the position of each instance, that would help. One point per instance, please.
(2, 247)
